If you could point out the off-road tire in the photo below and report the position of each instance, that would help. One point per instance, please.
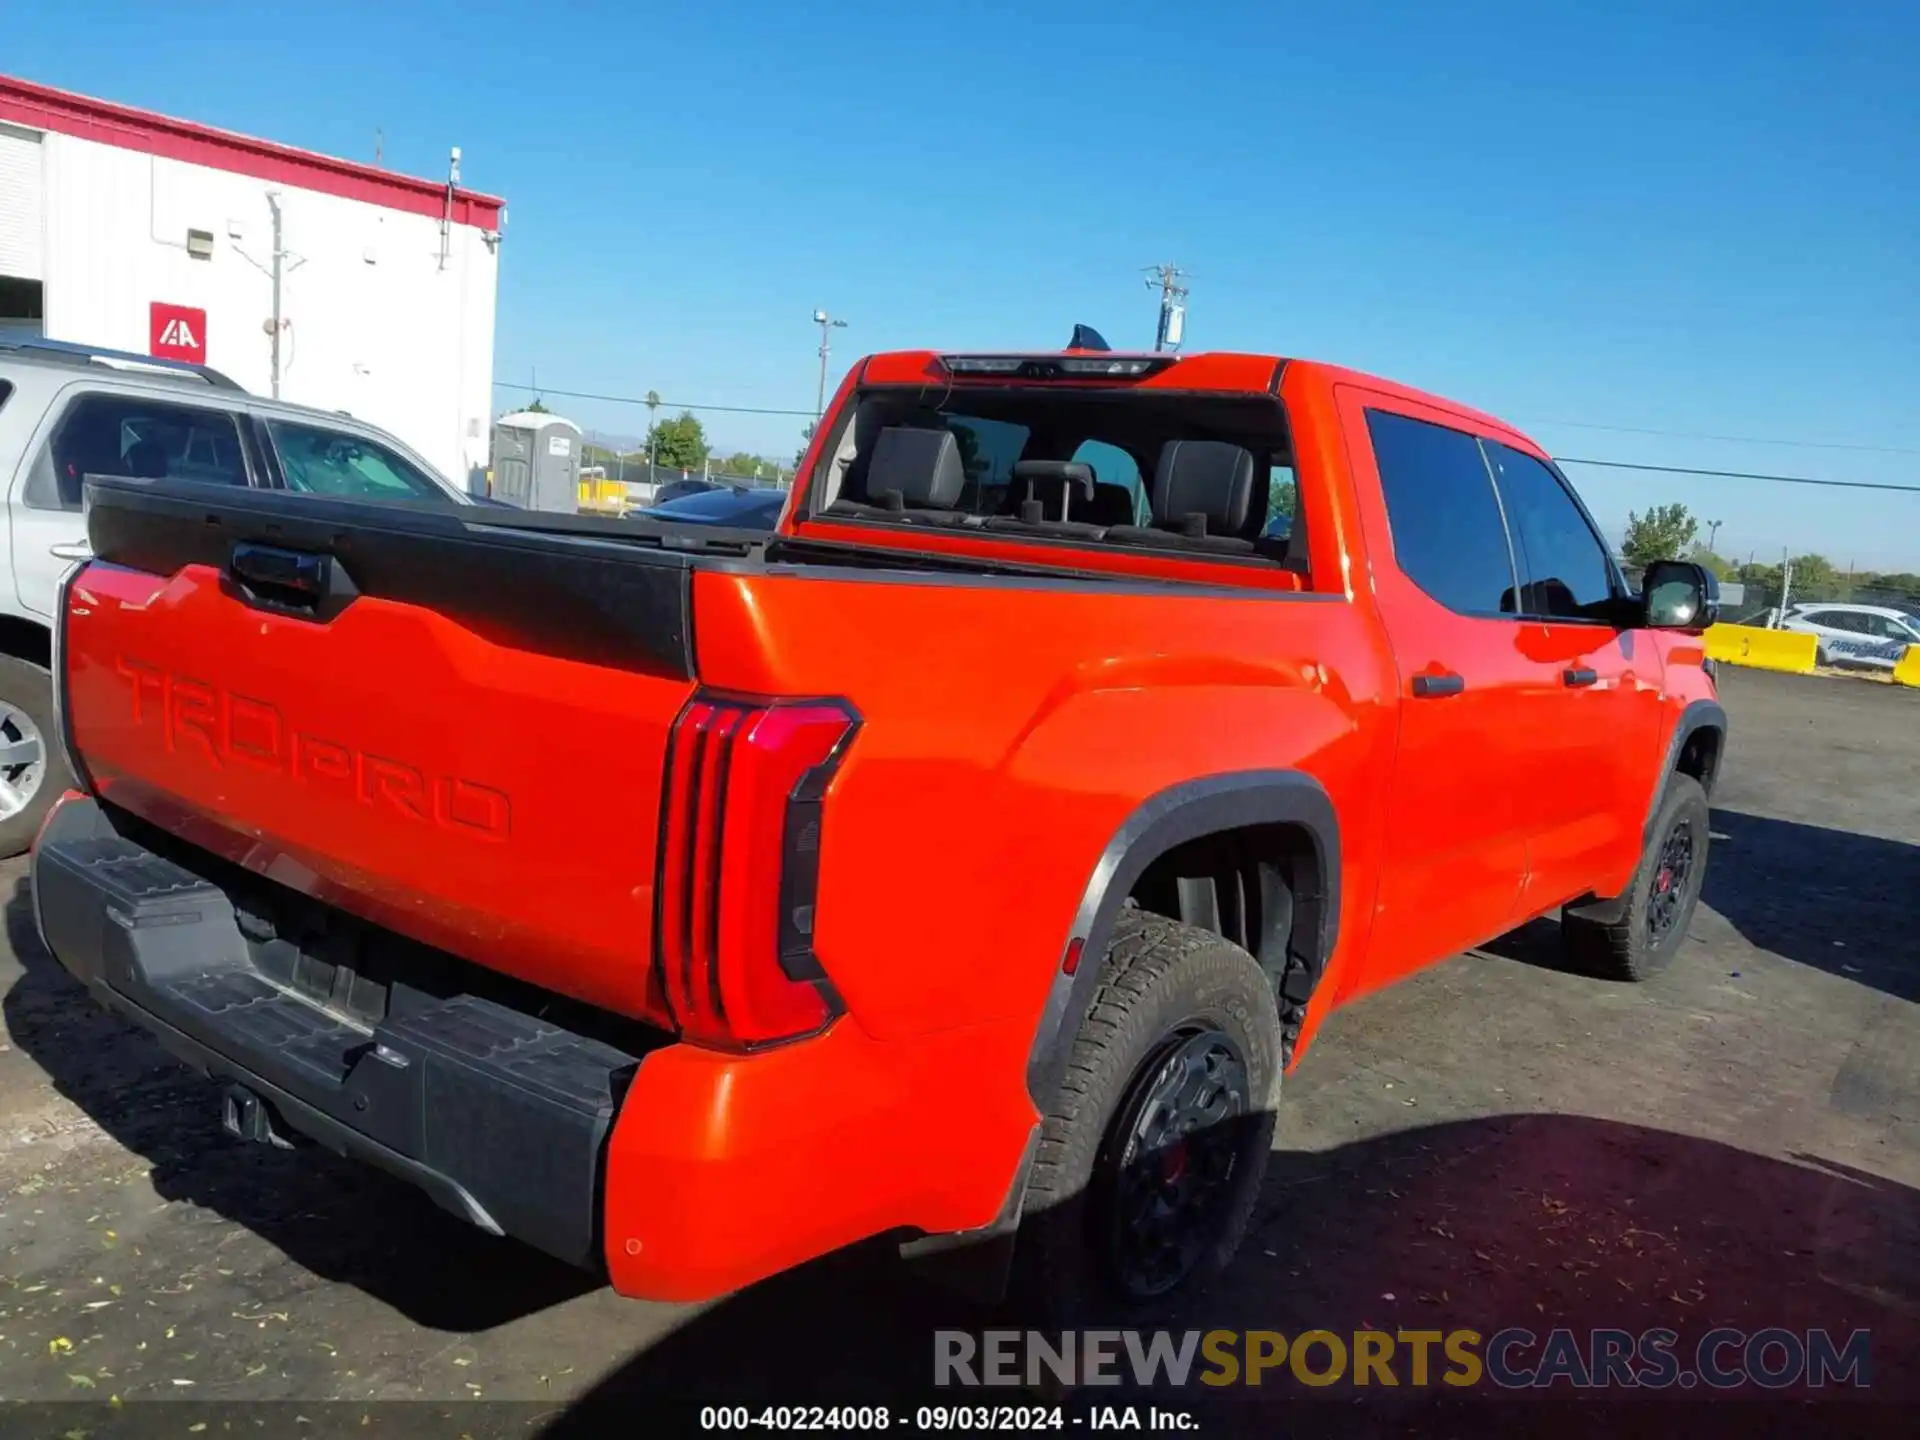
(1159, 980)
(1623, 949)
(29, 688)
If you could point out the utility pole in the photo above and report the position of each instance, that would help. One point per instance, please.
(826, 323)
(1173, 315)
(653, 431)
(1713, 529)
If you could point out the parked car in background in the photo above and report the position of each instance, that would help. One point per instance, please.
(744, 506)
(69, 411)
(1849, 634)
(674, 489)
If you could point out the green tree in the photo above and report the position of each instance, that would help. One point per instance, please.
(806, 438)
(1721, 567)
(678, 444)
(1665, 532)
(1814, 578)
(538, 407)
(1283, 494)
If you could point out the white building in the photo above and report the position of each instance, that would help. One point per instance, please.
(132, 231)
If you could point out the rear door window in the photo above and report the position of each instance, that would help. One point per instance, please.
(1568, 574)
(318, 461)
(1113, 466)
(1881, 628)
(1448, 534)
(130, 435)
(989, 449)
(1283, 501)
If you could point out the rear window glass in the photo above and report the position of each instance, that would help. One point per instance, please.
(1167, 470)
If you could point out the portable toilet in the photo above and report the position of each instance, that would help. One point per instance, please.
(536, 461)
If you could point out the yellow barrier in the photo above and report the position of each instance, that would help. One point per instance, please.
(1789, 650)
(598, 494)
(1907, 671)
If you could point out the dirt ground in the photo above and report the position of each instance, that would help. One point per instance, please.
(1495, 1143)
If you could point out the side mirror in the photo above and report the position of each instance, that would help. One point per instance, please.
(1679, 595)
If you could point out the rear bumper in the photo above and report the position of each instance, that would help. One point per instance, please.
(681, 1173)
(500, 1117)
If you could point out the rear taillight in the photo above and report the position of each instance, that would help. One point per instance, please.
(739, 868)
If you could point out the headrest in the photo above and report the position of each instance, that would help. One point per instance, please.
(922, 466)
(1073, 474)
(1041, 480)
(1211, 479)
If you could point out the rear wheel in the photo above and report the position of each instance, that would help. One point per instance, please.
(1152, 1155)
(32, 771)
(1660, 903)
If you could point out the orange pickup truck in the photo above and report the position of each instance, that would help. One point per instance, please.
(963, 860)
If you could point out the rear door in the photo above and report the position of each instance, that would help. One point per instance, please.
(1601, 681)
(1444, 576)
(91, 430)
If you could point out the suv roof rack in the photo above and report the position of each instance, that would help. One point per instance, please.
(68, 353)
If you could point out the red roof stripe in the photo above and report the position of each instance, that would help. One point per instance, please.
(40, 107)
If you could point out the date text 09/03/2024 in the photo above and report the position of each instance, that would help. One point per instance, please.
(939, 1418)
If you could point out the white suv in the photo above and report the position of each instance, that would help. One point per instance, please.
(69, 411)
(1876, 635)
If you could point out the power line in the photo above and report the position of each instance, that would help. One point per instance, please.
(1732, 439)
(1741, 475)
(641, 400)
(1562, 459)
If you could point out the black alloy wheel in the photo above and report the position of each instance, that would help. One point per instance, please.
(1672, 875)
(1172, 1157)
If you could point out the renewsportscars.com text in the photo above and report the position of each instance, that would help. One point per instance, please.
(1514, 1358)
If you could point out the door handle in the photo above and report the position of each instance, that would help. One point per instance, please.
(1434, 687)
(293, 582)
(71, 550)
(1579, 676)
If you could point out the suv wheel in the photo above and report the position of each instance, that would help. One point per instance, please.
(1152, 1155)
(1660, 904)
(32, 771)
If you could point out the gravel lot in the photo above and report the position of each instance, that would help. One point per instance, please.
(1494, 1143)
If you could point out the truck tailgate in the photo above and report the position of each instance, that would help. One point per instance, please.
(447, 725)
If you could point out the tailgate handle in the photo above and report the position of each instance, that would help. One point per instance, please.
(293, 581)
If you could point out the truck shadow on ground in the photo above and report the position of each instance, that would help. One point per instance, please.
(343, 1221)
(1833, 900)
(1531, 1221)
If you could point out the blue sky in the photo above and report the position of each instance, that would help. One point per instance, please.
(1698, 217)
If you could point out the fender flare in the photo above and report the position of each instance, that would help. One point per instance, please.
(1697, 716)
(1166, 819)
